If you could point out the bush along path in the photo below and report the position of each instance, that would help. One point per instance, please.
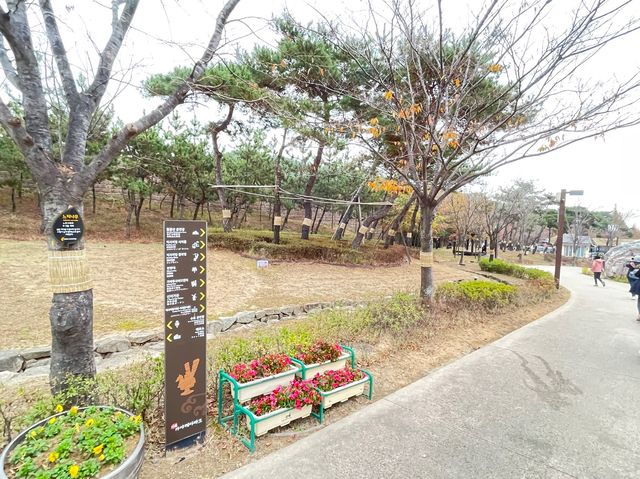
(396, 339)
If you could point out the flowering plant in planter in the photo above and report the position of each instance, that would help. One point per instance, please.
(296, 395)
(77, 444)
(260, 368)
(331, 380)
(319, 352)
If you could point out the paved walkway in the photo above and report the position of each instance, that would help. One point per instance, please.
(558, 398)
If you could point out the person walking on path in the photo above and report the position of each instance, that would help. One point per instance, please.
(597, 267)
(631, 277)
(635, 286)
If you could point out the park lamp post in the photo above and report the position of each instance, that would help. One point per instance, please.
(563, 196)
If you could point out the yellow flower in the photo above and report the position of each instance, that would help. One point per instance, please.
(33, 433)
(137, 419)
(52, 420)
(59, 408)
(98, 449)
(388, 95)
(101, 458)
(53, 456)
(495, 68)
(89, 422)
(373, 121)
(457, 82)
(73, 411)
(74, 470)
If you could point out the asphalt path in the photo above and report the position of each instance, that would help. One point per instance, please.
(558, 398)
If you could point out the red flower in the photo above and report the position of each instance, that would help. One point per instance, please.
(297, 394)
(260, 368)
(334, 379)
(319, 352)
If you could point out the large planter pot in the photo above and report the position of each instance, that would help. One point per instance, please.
(128, 469)
(251, 389)
(343, 393)
(281, 417)
(310, 370)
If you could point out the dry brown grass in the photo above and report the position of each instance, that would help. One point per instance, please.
(128, 286)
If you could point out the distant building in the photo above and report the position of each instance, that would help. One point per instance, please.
(578, 247)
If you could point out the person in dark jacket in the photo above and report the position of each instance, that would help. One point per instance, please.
(635, 287)
(631, 265)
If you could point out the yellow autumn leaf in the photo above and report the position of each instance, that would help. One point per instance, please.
(495, 68)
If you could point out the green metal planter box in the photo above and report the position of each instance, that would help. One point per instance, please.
(243, 392)
(308, 371)
(260, 425)
(343, 393)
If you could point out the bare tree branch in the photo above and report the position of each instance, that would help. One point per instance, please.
(7, 66)
(120, 139)
(60, 53)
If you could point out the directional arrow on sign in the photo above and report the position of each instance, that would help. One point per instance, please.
(202, 256)
(202, 232)
(202, 269)
(202, 282)
(169, 337)
(61, 238)
(202, 308)
(202, 244)
(169, 324)
(201, 295)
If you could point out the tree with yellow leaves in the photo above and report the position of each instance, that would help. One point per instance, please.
(454, 104)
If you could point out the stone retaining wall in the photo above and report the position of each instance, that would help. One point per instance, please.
(119, 349)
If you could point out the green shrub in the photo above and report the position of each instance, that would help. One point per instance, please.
(502, 267)
(485, 294)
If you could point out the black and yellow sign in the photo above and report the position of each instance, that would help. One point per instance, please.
(68, 227)
(185, 328)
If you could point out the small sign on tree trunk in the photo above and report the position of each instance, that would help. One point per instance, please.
(68, 227)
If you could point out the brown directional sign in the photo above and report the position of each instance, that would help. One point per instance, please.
(185, 328)
(68, 227)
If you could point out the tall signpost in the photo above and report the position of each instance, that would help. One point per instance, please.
(185, 324)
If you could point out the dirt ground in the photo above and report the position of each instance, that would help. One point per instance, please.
(128, 285)
(391, 369)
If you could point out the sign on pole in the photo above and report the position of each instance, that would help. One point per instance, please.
(185, 328)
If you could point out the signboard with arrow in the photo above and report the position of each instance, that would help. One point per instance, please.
(185, 320)
(68, 227)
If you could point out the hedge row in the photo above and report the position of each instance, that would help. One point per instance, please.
(319, 248)
(485, 294)
(510, 269)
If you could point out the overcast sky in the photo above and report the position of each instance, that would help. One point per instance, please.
(167, 33)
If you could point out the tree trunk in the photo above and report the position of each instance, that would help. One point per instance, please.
(71, 314)
(93, 198)
(195, 213)
(397, 221)
(277, 207)
(139, 210)
(173, 204)
(306, 223)
(286, 217)
(317, 226)
(13, 199)
(427, 286)
(368, 221)
(216, 129)
(315, 216)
